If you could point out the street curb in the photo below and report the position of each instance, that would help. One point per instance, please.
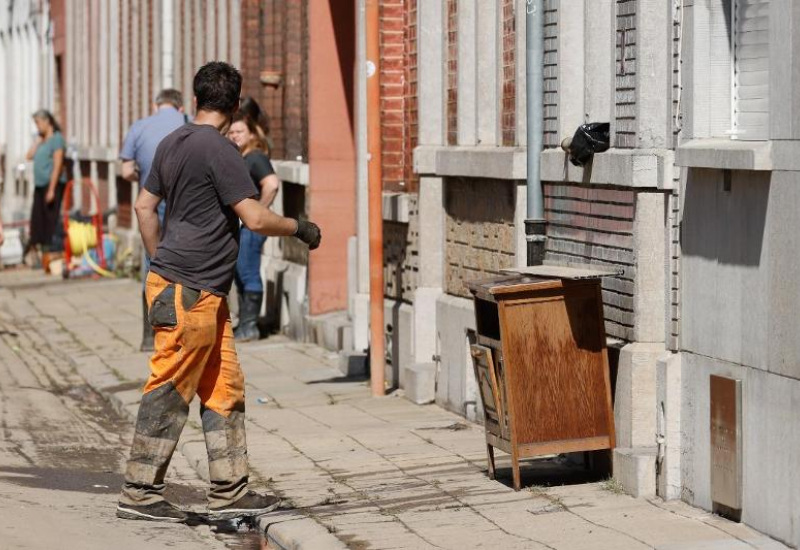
(303, 533)
(298, 534)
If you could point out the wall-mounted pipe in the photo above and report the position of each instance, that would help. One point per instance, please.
(375, 177)
(534, 78)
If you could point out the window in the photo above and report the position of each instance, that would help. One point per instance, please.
(750, 44)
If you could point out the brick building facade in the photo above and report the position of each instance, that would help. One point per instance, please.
(464, 219)
(699, 226)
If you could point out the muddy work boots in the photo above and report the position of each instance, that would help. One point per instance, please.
(148, 335)
(249, 308)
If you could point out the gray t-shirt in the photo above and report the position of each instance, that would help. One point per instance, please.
(200, 174)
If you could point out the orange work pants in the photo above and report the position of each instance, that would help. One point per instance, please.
(194, 354)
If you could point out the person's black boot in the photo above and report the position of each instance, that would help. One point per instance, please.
(148, 335)
(249, 308)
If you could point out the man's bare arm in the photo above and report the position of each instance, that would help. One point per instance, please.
(147, 214)
(262, 220)
(129, 171)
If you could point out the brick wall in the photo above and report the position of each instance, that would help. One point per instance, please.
(551, 73)
(411, 127)
(626, 74)
(479, 230)
(595, 225)
(452, 72)
(509, 107)
(401, 255)
(392, 67)
(274, 38)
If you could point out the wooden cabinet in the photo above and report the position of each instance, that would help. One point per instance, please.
(541, 364)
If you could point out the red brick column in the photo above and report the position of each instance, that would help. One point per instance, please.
(509, 106)
(392, 69)
(452, 72)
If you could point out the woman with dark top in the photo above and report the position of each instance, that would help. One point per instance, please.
(49, 178)
(244, 131)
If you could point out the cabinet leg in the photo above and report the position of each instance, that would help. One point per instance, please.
(490, 460)
(515, 470)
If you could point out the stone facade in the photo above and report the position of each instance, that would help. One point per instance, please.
(401, 255)
(551, 80)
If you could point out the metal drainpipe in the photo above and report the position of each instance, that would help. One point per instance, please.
(376, 323)
(535, 229)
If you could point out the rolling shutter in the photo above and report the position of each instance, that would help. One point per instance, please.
(751, 69)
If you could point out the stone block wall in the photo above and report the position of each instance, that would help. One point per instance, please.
(676, 70)
(674, 272)
(295, 205)
(479, 230)
(401, 255)
(674, 202)
(595, 225)
(625, 123)
(551, 14)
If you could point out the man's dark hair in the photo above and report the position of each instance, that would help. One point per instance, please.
(170, 96)
(217, 86)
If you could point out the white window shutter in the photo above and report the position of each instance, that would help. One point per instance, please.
(751, 69)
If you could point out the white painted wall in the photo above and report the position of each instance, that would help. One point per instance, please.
(26, 69)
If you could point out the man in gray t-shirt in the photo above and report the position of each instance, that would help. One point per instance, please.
(207, 189)
(137, 154)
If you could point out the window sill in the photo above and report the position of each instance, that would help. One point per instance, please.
(634, 168)
(487, 161)
(726, 154)
(291, 171)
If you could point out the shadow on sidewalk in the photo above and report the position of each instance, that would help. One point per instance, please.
(549, 472)
(340, 380)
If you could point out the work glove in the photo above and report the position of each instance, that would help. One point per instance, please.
(309, 233)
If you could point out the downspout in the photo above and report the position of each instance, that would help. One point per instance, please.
(535, 229)
(377, 344)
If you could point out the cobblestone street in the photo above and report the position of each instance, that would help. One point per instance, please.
(353, 471)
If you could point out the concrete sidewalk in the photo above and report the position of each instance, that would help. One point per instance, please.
(361, 472)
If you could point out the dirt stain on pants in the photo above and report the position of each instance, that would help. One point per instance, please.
(194, 355)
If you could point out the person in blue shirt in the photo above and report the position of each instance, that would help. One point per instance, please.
(137, 154)
(49, 179)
